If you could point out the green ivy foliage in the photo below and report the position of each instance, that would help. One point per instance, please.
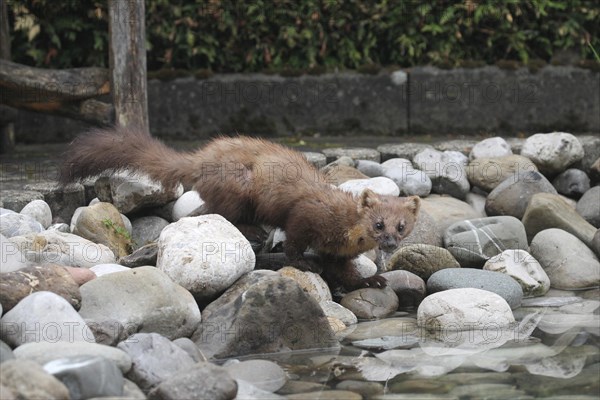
(275, 35)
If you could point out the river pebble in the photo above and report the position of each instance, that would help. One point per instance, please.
(371, 303)
(511, 197)
(263, 374)
(552, 152)
(446, 210)
(155, 358)
(43, 317)
(473, 242)
(103, 269)
(488, 173)
(102, 223)
(247, 390)
(380, 185)
(370, 168)
(547, 211)
(87, 377)
(28, 380)
(187, 205)
(462, 309)
(12, 258)
(167, 309)
(132, 192)
(44, 352)
(572, 183)
(496, 282)
(16, 285)
(13, 224)
(588, 206)
(490, 147)
(447, 171)
(422, 260)
(204, 254)
(339, 312)
(40, 211)
(145, 255)
(6, 352)
(410, 181)
(252, 307)
(522, 267)
(147, 230)
(200, 381)
(569, 263)
(310, 282)
(63, 248)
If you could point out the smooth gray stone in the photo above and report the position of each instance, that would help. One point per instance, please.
(201, 381)
(473, 242)
(87, 376)
(496, 282)
(572, 183)
(588, 206)
(370, 168)
(27, 380)
(253, 307)
(512, 196)
(155, 358)
(368, 303)
(5, 352)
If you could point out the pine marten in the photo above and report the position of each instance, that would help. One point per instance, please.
(256, 181)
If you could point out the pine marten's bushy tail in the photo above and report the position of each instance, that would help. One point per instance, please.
(119, 149)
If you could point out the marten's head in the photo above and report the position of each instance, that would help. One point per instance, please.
(387, 219)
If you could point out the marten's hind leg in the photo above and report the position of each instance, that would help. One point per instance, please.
(297, 239)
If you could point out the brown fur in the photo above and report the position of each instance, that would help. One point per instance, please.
(254, 180)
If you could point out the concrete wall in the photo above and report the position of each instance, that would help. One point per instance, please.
(419, 100)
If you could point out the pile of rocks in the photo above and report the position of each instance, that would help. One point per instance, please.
(136, 294)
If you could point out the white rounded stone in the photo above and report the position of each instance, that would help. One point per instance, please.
(522, 267)
(103, 269)
(552, 152)
(380, 185)
(40, 211)
(186, 205)
(491, 147)
(204, 254)
(464, 309)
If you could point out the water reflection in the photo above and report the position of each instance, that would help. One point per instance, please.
(552, 350)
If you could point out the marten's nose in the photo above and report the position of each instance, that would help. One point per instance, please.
(388, 243)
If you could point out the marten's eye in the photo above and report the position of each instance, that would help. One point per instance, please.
(379, 226)
(400, 228)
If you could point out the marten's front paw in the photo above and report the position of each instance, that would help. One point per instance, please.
(375, 281)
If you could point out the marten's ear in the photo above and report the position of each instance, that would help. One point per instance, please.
(368, 199)
(413, 204)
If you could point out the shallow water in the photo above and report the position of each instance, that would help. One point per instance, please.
(552, 351)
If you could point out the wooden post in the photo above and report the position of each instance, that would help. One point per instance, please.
(7, 128)
(127, 58)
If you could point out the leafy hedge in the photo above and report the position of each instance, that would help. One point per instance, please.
(258, 35)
